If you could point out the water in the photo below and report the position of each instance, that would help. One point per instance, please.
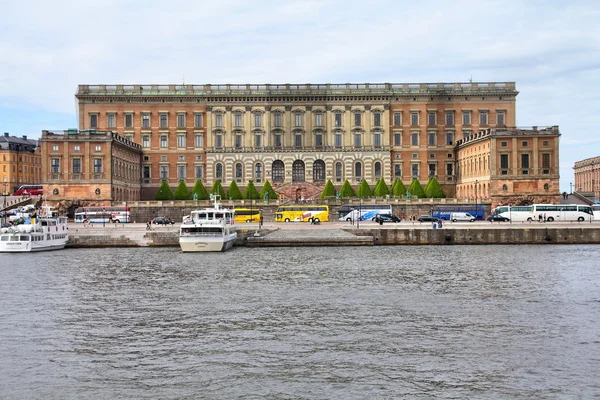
(442, 322)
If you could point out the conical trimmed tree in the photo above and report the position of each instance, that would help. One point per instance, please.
(199, 191)
(346, 190)
(234, 192)
(250, 192)
(164, 192)
(267, 188)
(328, 190)
(364, 190)
(381, 189)
(398, 190)
(415, 189)
(182, 192)
(434, 190)
(217, 188)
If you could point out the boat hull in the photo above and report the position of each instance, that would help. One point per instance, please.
(206, 244)
(29, 247)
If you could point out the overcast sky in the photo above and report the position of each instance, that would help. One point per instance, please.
(551, 49)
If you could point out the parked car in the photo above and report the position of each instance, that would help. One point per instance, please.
(427, 218)
(386, 218)
(461, 216)
(162, 221)
(497, 218)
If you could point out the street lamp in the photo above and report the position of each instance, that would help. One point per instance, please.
(571, 188)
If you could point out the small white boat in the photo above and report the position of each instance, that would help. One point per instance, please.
(40, 232)
(208, 229)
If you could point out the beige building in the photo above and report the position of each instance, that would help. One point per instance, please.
(20, 163)
(587, 176)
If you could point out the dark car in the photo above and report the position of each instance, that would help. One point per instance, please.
(497, 218)
(386, 218)
(427, 218)
(162, 221)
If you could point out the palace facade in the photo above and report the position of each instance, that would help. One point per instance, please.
(587, 176)
(298, 136)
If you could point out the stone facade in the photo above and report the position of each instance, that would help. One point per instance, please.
(587, 176)
(20, 163)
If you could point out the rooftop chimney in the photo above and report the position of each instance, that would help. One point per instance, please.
(6, 134)
(25, 137)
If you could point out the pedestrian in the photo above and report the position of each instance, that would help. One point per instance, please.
(148, 227)
(540, 218)
(544, 217)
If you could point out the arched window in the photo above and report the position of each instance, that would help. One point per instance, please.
(298, 171)
(339, 172)
(358, 171)
(377, 170)
(319, 171)
(278, 171)
(239, 172)
(219, 172)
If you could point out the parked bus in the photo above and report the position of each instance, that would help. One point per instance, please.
(100, 215)
(247, 214)
(443, 211)
(596, 211)
(547, 212)
(302, 213)
(364, 212)
(30, 190)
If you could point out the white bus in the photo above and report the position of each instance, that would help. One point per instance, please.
(596, 211)
(100, 215)
(366, 212)
(546, 212)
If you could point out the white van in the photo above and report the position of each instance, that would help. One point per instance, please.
(461, 216)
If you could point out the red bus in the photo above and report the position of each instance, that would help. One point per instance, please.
(30, 190)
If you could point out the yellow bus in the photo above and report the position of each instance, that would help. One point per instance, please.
(302, 213)
(247, 215)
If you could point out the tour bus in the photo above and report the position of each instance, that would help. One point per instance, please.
(443, 211)
(596, 211)
(247, 214)
(546, 212)
(30, 190)
(302, 213)
(366, 212)
(100, 215)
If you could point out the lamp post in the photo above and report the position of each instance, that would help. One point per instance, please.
(571, 188)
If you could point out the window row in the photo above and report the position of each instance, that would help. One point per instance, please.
(298, 119)
(432, 139)
(449, 118)
(55, 165)
(146, 120)
(415, 170)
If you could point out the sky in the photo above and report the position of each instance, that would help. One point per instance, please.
(551, 49)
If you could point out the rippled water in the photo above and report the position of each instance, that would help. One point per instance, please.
(336, 323)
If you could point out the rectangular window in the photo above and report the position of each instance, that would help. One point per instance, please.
(483, 118)
(545, 163)
(76, 148)
(198, 141)
(258, 141)
(93, 120)
(338, 140)
(414, 118)
(432, 138)
(97, 165)
(545, 143)
(238, 141)
(98, 148)
(377, 118)
(298, 119)
(503, 144)
(501, 118)
(277, 141)
(525, 161)
(128, 120)
(181, 172)
(219, 121)
(146, 120)
(111, 121)
(318, 140)
(181, 141)
(467, 118)
(258, 120)
(164, 172)
(163, 141)
(319, 119)
(415, 170)
(198, 171)
(55, 165)
(277, 120)
(338, 119)
(414, 139)
(164, 120)
(238, 120)
(431, 118)
(146, 173)
(377, 140)
(397, 119)
(54, 148)
(298, 141)
(432, 170)
(524, 143)
(198, 120)
(449, 118)
(77, 165)
(181, 120)
(449, 138)
(397, 139)
(398, 171)
(146, 141)
(449, 170)
(357, 119)
(357, 140)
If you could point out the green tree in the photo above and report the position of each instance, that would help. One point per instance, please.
(434, 190)
(267, 188)
(346, 190)
(250, 192)
(415, 189)
(234, 191)
(364, 190)
(217, 188)
(328, 190)
(398, 189)
(164, 192)
(381, 189)
(182, 192)
(200, 191)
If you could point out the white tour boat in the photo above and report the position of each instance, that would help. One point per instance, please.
(208, 229)
(41, 231)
